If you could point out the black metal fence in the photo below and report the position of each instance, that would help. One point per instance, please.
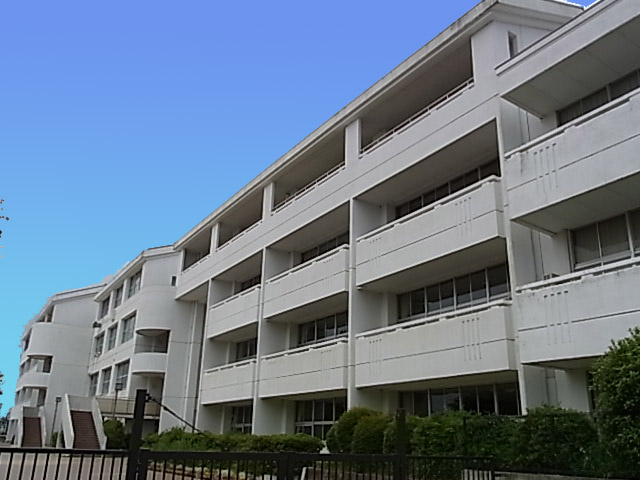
(155, 465)
(54, 464)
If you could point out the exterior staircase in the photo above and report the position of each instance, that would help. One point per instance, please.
(85, 431)
(32, 434)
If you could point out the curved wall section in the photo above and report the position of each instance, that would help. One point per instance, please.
(149, 363)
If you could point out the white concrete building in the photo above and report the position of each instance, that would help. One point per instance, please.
(143, 338)
(55, 350)
(462, 235)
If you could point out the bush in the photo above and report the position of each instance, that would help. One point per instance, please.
(490, 436)
(616, 384)
(389, 444)
(554, 438)
(368, 434)
(345, 426)
(116, 436)
(178, 440)
(332, 440)
(440, 434)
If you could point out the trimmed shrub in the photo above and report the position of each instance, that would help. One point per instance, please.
(389, 444)
(116, 436)
(368, 434)
(440, 434)
(490, 436)
(554, 438)
(332, 440)
(346, 424)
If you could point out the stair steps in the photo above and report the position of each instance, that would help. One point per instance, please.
(85, 436)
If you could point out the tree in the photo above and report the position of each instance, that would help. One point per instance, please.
(616, 384)
(1, 381)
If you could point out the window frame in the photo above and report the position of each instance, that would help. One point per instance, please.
(135, 284)
(127, 333)
(105, 372)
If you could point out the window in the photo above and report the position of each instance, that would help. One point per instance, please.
(98, 345)
(104, 307)
(315, 417)
(446, 189)
(325, 328)
(174, 280)
(117, 301)
(463, 291)
(112, 334)
(93, 385)
(106, 381)
(606, 241)
(600, 97)
(128, 327)
(500, 399)
(241, 419)
(246, 349)
(513, 44)
(134, 284)
(324, 247)
(122, 375)
(252, 282)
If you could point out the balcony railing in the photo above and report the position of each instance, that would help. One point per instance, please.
(234, 312)
(239, 235)
(435, 105)
(229, 383)
(308, 188)
(124, 407)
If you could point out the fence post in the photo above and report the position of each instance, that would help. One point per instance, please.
(283, 466)
(400, 470)
(136, 435)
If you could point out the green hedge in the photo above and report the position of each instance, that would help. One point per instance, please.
(368, 434)
(342, 435)
(177, 439)
(116, 436)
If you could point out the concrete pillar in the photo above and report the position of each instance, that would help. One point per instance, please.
(268, 199)
(215, 237)
(533, 386)
(366, 308)
(352, 142)
(573, 389)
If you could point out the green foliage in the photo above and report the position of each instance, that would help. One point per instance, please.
(177, 439)
(345, 426)
(389, 445)
(490, 436)
(550, 437)
(116, 436)
(368, 434)
(332, 440)
(616, 383)
(439, 434)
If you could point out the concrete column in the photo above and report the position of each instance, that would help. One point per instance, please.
(366, 308)
(533, 386)
(352, 142)
(268, 199)
(215, 237)
(573, 389)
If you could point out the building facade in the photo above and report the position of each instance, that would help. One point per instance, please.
(143, 338)
(55, 350)
(461, 236)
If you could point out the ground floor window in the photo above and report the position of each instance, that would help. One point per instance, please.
(241, 418)
(315, 417)
(502, 399)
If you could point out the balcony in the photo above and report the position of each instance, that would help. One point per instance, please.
(33, 379)
(149, 363)
(234, 312)
(475, 340)
(468, 218)
(314, 368)
(577, 315)
(580, 172)
(229, 383)
(320, 278)
(124, 407)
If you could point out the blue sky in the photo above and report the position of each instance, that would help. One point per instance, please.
(123, 124)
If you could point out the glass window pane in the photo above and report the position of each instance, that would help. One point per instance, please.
(446, 295)
(442, 191)
(507, 395)
(471, 177)
(307, 410)
(328, 411)
(498, 281)
(595, 100)
(302, 333)
(585, 244)
(463, 291)
(404, 305)
(429, 198)
(417, 302)
(469, 399)
(479, 287)
(433, 299)
(491, 168)
(342, 323)
(614, 240)
(311, 332)
(330, 326)
(569, 113)
(452, 398)
(421, 404)
(634, 218)
(318, 410)
(415, 204)
(624, 85)
(457, 184)
(320, 329)
(340, 407)
(402, 210)
(438, 401)
(486, 403)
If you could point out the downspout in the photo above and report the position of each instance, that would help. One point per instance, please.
(200, 360)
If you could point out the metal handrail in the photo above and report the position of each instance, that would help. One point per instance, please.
(308, 187)
(439, 102)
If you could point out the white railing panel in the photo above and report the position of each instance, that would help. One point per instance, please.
(229, 383)
(234, 312)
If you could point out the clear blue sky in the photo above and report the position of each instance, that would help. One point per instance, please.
(124, 123)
